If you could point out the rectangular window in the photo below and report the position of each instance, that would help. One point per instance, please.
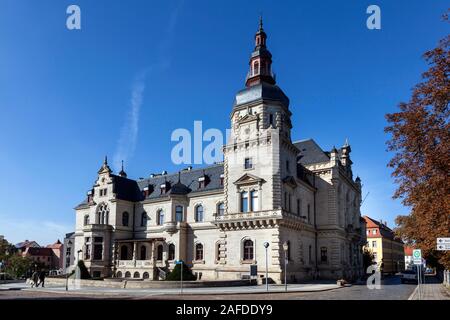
(299, 210)
(87, 252)
(244, 201)
(98, 252)
(309, 213)
(178, 213)
(323, 255)
(289, 202)
(248, 163)
(288, 167)
(374, 244)
(271, 119)
(374, 231)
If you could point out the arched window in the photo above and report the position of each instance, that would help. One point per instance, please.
(248, 250)
(179, 214)
(144, 219)
(86, 220)
(244, 201)
(160, 217)
(254, 200)
(143, 253)
(198, 251)
(119, 274)
(102, 214)
(127, 274)
(159, 253)
(124, 252)
(256, 68)
(125, 219)
(199, 213)
(171, 251)
(220, 209)
(136, 275)
(145, 275)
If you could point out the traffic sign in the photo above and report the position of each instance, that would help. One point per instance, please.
(443, 247)
(443, 244)
(443, 240)
(417, 256)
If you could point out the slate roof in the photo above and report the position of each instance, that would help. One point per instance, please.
(310, 152)
(262, 91)
(26, 243)
(188, 181)
(132, 190)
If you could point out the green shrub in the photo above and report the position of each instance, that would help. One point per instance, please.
(175, 275)
(84, 273)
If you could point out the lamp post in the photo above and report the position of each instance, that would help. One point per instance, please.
(266, 245)
(285, 249)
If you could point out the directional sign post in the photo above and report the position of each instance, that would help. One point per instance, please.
(443, 244)
(417, 260)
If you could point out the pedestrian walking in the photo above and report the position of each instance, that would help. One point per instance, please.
(41, 278)
(34, 279)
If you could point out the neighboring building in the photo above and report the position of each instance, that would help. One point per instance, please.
(43, 257)
(268, 189)
(409, 257)
(22, 246)
(2, 237)
(58, 249)
(69, 254)
(48, 257)
(387, 249)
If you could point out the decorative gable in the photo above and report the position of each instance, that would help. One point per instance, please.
(249, 179)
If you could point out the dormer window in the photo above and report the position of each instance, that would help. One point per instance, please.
(165, 187)
(248, 164)
(201, 182)
(145, 192)
(90, 196)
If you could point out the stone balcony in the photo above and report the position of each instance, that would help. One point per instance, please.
(97, 227)
(134, 263)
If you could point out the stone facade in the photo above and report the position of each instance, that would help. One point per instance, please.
(217, 219)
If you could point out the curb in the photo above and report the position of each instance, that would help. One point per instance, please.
(413, 294)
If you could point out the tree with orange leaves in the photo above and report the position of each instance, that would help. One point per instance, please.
(420, 138)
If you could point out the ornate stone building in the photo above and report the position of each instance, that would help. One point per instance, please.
(268, 189)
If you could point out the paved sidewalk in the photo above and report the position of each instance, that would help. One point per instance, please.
(431, 291)
(175, 291)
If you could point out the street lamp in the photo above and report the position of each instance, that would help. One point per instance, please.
(266, 245)
(285, 248)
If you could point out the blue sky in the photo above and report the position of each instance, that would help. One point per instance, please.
(140, 69)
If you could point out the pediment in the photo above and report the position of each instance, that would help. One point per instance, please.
(248, 178)
(248, 118)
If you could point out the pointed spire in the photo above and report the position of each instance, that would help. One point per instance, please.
(122, 173)
(260, 60)
(346, 144)
(105, 168)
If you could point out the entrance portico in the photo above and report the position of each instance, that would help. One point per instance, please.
(138, 258)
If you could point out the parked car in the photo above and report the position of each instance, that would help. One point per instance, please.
(409, 276)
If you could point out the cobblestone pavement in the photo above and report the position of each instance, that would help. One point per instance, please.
(434, 290)
(391, 289)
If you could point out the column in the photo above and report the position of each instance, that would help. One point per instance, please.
(134, 252)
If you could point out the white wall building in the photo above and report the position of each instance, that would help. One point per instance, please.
(268, 189)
